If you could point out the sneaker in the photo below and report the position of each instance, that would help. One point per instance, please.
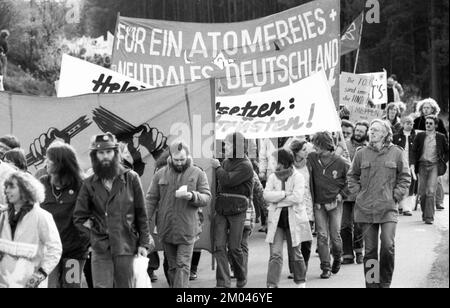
(407, 213)
(193, 276)
(291, 276)
(241, 283)
(428, 222)
(347, 261)
(359, 258)
(326, 274)
(439, 207)
(336, 266)
(301, 285)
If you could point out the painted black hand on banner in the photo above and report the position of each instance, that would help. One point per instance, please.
(152, 139)
(39, 146)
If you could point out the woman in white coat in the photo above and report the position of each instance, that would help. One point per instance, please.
(287, 218)
(30, 246)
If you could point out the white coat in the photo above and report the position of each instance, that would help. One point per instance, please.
(297, 214)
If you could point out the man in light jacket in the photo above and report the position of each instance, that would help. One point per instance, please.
(379, 176)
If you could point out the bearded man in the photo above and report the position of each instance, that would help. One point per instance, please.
(110, 208)
(177, 192)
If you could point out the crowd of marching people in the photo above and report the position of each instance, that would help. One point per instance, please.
(65, 225)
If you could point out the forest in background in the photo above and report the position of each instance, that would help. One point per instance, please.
(411, 40)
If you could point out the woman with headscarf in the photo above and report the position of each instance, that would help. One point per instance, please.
(30, 247)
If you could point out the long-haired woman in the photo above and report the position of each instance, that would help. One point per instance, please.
(62, 185)
(30, 246)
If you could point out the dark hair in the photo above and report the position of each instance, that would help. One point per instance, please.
(17, 157)
(240, 144)
(347, 123)
(393, 76)
(11, 141)
(344, 113)
(296, 146)
(324, 141)
(162, 160)
(284, 157)
(31, 190)
(434, 118)
(65, 160)
(363, 123)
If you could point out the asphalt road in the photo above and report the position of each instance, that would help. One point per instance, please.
(415, 254)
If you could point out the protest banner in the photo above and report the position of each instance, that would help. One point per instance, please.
(379, 87)
(360, 112)
(250, 56)
(354, 89)
(79, 77)
(351, 39)
(146, 121)
(302, 108)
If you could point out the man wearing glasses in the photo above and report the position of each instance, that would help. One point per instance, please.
(429, 158)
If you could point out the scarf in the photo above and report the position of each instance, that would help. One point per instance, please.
(14, 218)
(284, 174)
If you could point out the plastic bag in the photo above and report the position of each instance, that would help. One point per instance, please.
(141, 278)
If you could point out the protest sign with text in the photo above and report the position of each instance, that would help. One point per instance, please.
(354, 89)
(302, 108)
(379, 87)
(256, 55)
(81, 77)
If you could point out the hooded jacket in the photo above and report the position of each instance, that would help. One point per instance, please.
(35, 245)
(380, 179)
(178, 220)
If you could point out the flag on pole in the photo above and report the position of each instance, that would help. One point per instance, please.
(351, 39)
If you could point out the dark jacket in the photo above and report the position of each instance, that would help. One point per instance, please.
(235, 176)
(75, 243)
(178, 220)
(119, 219)
(327, 181)
(417, 149)
(419, 123)
(380, 179)
(400, 140)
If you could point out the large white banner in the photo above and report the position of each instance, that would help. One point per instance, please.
(302, 108)
(81, 77)
(379, 87)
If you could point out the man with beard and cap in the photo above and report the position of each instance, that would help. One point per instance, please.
(235, 187)
(177, 191)
(379, 176)
(111, 209)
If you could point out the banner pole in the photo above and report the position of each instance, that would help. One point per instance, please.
(359, 43)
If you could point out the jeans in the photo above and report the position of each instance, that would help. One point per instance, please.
(112, 272)
(378, 271)
(350, 232)
(439, 192)
(179, 261)
(297, 262)
(305, 248)
(428, 180)
(229, 229)
(328, 225)
(67, 274)
(244, 246)
(195, 260)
